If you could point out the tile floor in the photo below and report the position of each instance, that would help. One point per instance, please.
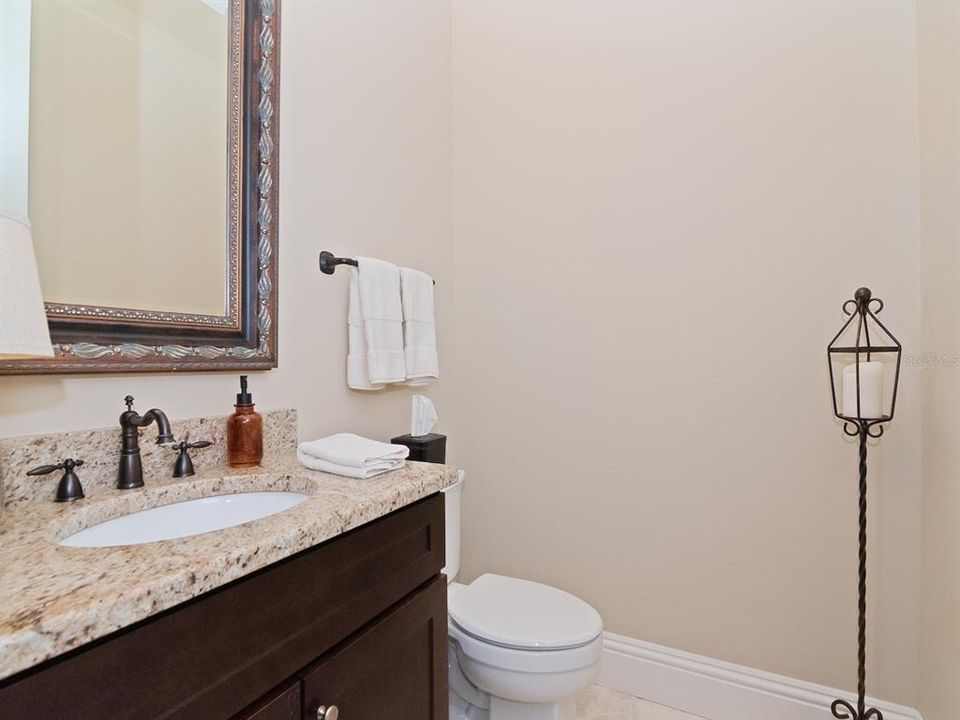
(598, 703)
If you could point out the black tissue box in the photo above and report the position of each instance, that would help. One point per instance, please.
(424, 448)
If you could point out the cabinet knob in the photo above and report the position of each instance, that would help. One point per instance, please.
(327, 713)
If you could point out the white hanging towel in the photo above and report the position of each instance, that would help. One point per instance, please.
(351, 455)
(378, 297)
(358, 376)
(419, 327)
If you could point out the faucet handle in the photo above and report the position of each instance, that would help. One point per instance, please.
(129, 401)
(68, 464)
(44, 469)
(69, 487)
(184, 444)
(184, 465)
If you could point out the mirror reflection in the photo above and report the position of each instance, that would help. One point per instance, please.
(127, 135)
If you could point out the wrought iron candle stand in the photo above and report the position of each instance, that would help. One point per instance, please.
(864, 308)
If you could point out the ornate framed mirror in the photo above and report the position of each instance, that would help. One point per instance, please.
(150, 181)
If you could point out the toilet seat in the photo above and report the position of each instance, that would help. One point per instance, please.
(532, 662)
(522, 615)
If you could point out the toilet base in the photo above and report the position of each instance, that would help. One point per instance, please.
(468, 702)
(462, 710)
(508, 710)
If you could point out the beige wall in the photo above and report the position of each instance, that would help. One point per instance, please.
(939, 46)
(365, 169)
(659, 209)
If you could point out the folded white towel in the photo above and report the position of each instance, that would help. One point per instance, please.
(351, 455)
(419, 327)
(378, 283)
(369, 471)
(353, 450)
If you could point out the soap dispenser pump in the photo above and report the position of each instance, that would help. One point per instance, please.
(244, 431)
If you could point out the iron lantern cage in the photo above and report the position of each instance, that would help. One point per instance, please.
(864, 361)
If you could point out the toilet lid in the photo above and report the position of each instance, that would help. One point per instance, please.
(522, 614)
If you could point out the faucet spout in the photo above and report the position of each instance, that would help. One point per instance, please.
(164, 434)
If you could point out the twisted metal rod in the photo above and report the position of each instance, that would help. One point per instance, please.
(841, 709)
(862, 585)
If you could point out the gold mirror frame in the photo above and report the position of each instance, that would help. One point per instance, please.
(89, 339)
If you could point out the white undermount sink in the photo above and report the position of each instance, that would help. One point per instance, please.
(182, 519)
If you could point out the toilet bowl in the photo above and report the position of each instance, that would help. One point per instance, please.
(518, 650)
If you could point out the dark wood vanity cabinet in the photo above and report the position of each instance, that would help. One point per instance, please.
(282, 703)
(389, 669)
(359, 622)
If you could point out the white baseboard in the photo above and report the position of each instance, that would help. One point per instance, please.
(719, 690)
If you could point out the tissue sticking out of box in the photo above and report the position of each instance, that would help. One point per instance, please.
(423, 416)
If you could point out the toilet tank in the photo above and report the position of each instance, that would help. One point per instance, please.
(451, 511)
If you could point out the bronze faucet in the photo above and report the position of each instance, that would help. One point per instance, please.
(130, 474)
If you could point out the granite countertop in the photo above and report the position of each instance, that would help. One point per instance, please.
(54, 599)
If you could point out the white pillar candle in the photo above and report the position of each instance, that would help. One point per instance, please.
(871, 390)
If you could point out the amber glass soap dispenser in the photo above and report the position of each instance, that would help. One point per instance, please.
(244, 431)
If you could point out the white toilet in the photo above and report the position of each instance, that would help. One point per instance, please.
(518, 650)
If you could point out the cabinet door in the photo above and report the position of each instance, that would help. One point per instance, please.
(395, 667)
(281, 703)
